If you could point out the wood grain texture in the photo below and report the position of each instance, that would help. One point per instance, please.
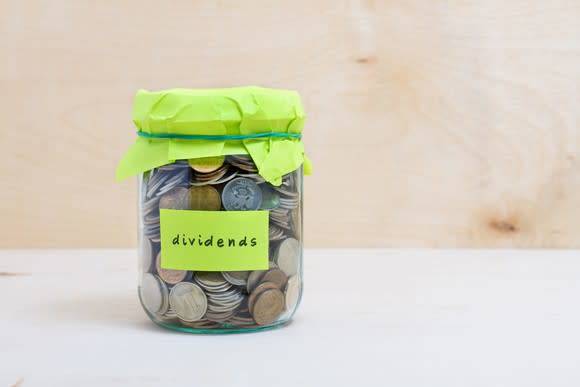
(431, 123)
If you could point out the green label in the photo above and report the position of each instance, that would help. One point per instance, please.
(214, 240)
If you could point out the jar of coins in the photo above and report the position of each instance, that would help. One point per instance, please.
(220, 207)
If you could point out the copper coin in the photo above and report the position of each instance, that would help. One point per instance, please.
(204, 198)
(268, 307)
(256, 293)
(277, 277)
(176, 199)
(255, 276)
(207, 164)
(254, 279)
(169, 276)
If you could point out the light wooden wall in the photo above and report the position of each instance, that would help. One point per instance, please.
(431, 123)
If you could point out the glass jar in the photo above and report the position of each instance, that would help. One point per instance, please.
(197, 300)
(220, 236)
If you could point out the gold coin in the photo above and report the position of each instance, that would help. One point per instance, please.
(276, 277)
(207, 164)
(205, 198)
(169, 276)
(268, 307)
(256, 293)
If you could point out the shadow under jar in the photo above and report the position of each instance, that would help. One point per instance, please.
(220, 241)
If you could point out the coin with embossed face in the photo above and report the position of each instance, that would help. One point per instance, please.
(169, 276)
(188, 301)
(268, 307)
(241, 194)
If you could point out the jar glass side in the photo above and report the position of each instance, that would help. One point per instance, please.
(229, 301)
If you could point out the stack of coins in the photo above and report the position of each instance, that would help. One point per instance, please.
(227, 300)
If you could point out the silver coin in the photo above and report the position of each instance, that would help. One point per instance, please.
(241, 194)
(288, 256)
(238, 278)
(288, 204)
(188, 301)
(292, 292)
(210, 279)
(153, 294)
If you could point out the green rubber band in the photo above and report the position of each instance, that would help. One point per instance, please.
(216, 137)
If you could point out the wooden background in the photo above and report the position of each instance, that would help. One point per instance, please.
(431, 123)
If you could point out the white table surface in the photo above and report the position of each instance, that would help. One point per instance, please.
(368, 318)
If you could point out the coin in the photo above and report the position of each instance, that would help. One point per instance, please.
(288, 256)
(207, 164)
(292, 292)
(256, 275)
(296, 222)
(256, 293)
(268, 307)
(216, 178)
(276, 233)
(254, 279)
(176, 199)
(243, 162)
(204, 198)
(241, 194)
(210, 278)
(211, 177)
(153, 294)
(146, 251)
(277, 277)
(223, 298)
(188, 301)
(238, 278)
(169, 276)
(270, 198)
